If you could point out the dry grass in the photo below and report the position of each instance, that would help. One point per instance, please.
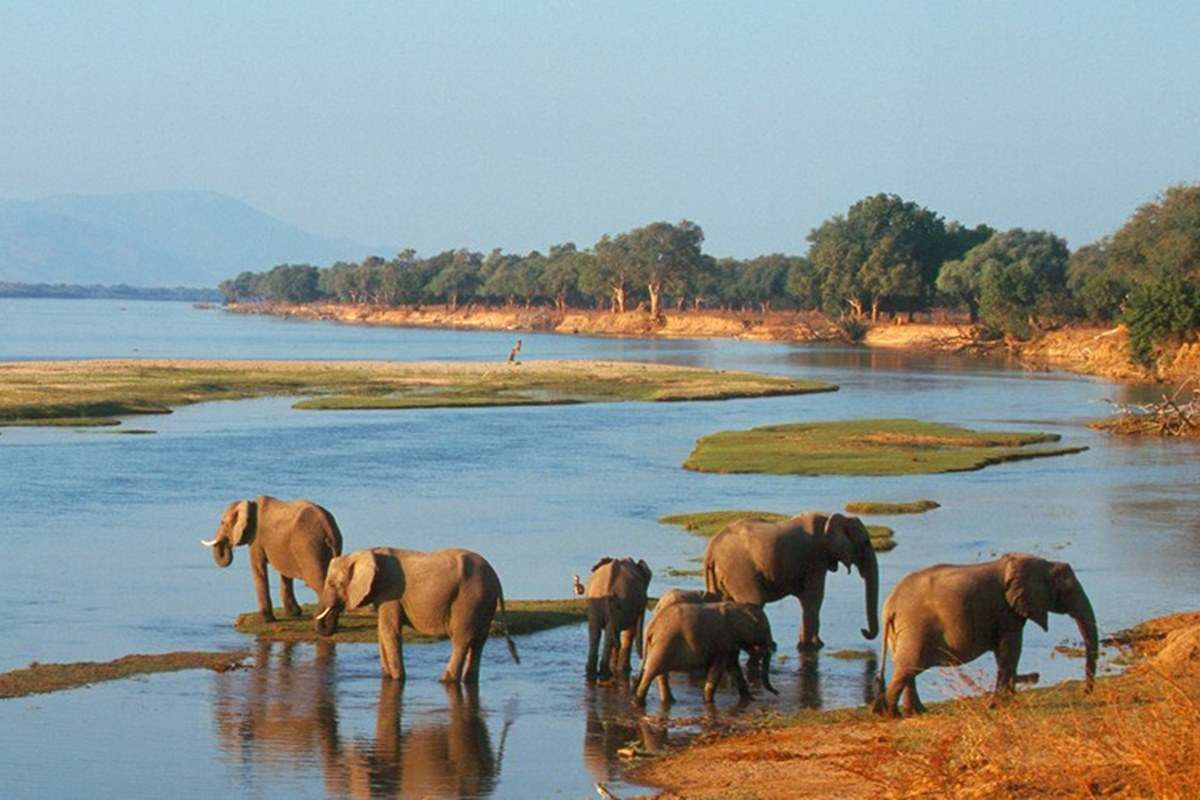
(888, 508)
(95, 392)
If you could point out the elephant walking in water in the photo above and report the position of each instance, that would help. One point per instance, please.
(616, 607)
(758, 562)
(949, 614)
(449, 592)
(297, 538)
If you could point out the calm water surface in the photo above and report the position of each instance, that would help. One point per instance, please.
(101, 558)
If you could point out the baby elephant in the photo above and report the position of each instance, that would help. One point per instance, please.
(950, 614)
(297, 538)
(705, 636)
(616, 607)
(448, 592)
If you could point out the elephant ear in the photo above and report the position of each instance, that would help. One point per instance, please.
(839, 542)
(362, 579)
(1027, 586)
(601, 563)
(644, 568)
(245, 523)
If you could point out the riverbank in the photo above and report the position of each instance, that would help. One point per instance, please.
(1136, 735)
(1088, 350)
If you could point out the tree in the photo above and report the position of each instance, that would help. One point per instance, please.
(560, 278)
(803, 284)
(1161, 310)
(291, 283)
(458, 277)
(763, 279)
(244, 287)
(611, 272)
(1161, 238)
(663, 256)
(883, 251)
(1011, 279)
(1097, 290)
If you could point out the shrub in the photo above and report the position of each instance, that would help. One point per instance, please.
(1160, 311)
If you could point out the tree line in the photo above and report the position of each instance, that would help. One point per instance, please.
(884, 255)
(120, 291)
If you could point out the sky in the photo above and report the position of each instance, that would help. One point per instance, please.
(521, 124)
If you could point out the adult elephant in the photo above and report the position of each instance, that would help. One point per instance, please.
(616, 607)
(449, 592)
(298, 538)
(949, 614)
(751, 561)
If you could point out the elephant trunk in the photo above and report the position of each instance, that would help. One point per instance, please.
(1085, 618)
(868, 567)
(222, 553)
(327, 619)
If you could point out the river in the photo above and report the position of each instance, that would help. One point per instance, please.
(101, 555)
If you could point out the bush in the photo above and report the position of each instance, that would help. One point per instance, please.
(1160, 311)
(853, 330)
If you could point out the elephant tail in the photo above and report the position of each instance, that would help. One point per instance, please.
(889, 626)
(640, 635)
(512, 648)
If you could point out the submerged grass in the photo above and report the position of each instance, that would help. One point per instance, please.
(81, 393)
(887, 508)
(865, 447)
(524, 616)
(710, 523)
(43, 678)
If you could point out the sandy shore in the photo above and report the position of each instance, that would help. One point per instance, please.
(1092, 351)
(1137, 735)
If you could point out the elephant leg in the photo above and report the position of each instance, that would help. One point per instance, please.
(606, 654)
(625, 654)
(810, 615)
(595, 629)
(739, 680)
(912, 701)
(1008, 653)
(650, 670)
(391, 648)
(258, 566)
(712, 680)
(474, 655)
(901, 680)
(458, 658)
(664, 690)
(289, 596)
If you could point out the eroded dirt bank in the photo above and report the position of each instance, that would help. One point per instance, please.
(1136, 735)
(1093, 351)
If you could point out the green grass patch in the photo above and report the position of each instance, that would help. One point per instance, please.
(710, 523)
(358, 626)
(865, 447)
(80, 393)
(43, 678)
(683, 572)
(884, 507)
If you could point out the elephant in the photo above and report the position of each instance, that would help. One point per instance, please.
(705, 636)
(616, 607)
(950, 614)
(673, 596)
(450, 592)
(752, 561)
(297, 538)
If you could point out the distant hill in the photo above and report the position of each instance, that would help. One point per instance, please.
(184, 238)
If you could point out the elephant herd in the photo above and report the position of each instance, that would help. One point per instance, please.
(943, 615)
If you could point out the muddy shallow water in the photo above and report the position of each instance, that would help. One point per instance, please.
(101, 558)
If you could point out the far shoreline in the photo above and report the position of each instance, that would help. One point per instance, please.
(1083, 350)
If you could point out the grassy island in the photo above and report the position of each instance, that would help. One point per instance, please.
(710, 523)
(865, 447)
(889, 508)
(77, 393)
(524, 616)
(43, 678)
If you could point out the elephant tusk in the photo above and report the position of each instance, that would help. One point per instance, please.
(323, 614)
(209, 543)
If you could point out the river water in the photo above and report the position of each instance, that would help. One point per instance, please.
(101, 559)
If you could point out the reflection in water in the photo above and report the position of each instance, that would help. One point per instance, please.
(808, 683)
(612, 724)
(283, 714)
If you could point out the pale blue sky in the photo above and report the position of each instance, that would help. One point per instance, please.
(519, 124)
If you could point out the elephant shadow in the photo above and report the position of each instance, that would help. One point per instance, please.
(610, 725)
(435, 759)
(281, 712)
(282, 715)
